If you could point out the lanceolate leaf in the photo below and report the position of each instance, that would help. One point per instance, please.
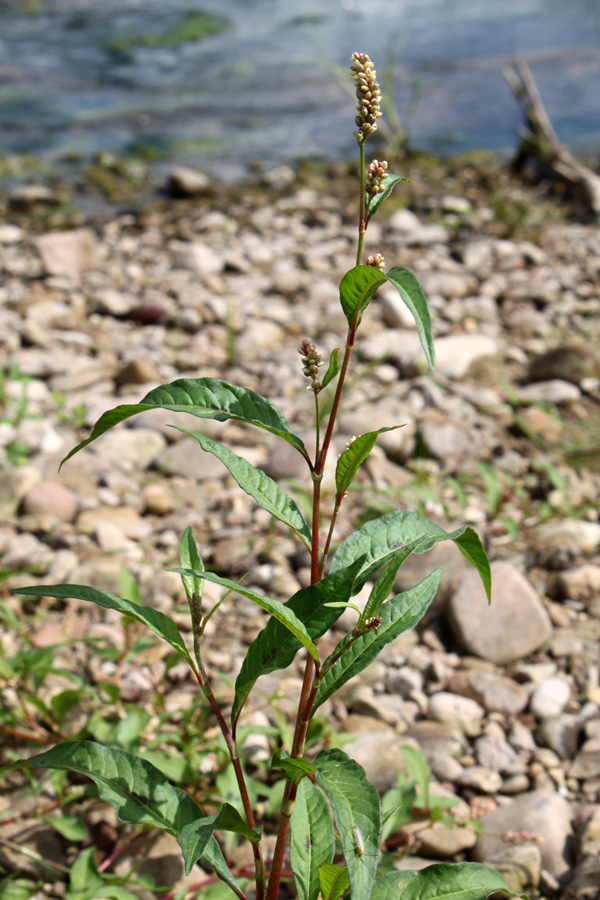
(312, 843)
(398, 615)
(378, 540)
(275, 648)
(385, 582)
(388, 185)
(294, 769)
(357, 813)
(140, 794)
(206, 398)
(332, 369)
(357, 289)
(352, 458)
(447, 881)
(280, 611)
(189, 558)
(257, 485)
(411, 292)
(156, 621)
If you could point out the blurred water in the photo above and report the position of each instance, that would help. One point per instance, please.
(263, 89)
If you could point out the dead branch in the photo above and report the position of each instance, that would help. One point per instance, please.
(539, 139)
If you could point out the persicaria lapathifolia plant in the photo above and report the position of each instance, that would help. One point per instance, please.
(330, 822)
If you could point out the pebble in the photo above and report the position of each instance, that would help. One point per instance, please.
(550, 698)
(513, 626)
(495, 693)
(50, 497)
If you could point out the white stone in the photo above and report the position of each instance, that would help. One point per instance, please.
(550, 697)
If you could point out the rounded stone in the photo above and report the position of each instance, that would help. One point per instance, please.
(52, 498)
(513, 626)
(550, 698)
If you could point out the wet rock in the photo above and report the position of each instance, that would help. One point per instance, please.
(53, 498)
(513, 626)
(68, 252)
(542, 812)
(496, 693)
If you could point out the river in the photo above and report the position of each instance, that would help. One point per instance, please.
(77, 77)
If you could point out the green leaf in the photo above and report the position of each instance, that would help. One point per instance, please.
(357, 811)
(412, 293)
(281, 611)
(294, 768)
(390, 181)
(418, 769)
(390, 886)
(396, 807)
(189, 558)
(333, 881)
(128, 587)
(274, 648)
(257, 485)
(448, 881)
(194, 838)
(354, 456)
(140, 794)
(332, 369)
(398, 615)
(312, 842)
(384, 582)
(156, 621)
(84, 878)
(69, 827)
(357, 289)
(206, 398)
(379, 539)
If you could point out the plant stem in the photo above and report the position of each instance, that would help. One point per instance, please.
(362, 220)
(259, 867)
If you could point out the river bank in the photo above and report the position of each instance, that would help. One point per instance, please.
(99, 308)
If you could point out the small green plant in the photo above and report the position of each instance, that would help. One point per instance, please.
(330, 816)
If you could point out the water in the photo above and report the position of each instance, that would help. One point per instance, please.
(263, 89)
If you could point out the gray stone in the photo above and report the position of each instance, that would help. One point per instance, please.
(550, 697)
(68, 252)
(569, 537)
(137, 447)
(520, 866)
(542, 812)
(452, 441)
(186, 458)
(493, 751)
(25, 550)
(53, 498)
(567, 363)
(197, 256)
(581, 583)
(441, 842)
(453, 709)
(481, 779)
(495, 693)
(449, 284)
(438, 737)
(515, 624)
(184, 182)
(125, 518)
(455, 354)
(381, 757)
(555, 391)
(115, 303)
(585, 884)
(587, 762)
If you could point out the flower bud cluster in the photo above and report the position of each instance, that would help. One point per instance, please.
(368, 94)
(375, 177)
(376, 261)
(312, 363)
(520, 837)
